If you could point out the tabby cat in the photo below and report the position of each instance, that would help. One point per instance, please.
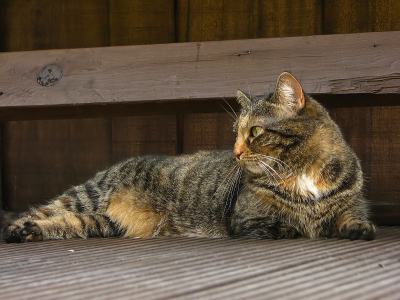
(291, 174)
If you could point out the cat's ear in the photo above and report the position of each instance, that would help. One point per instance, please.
(288, 92)
(243, 99)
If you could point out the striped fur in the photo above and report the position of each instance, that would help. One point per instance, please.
(293, 175)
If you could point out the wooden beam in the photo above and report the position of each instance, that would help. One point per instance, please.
(330, 64)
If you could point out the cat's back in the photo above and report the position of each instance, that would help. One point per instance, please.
(181, 178)
(144, 169)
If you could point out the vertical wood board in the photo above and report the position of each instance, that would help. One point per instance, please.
(141, 22)
(347, 16)
(207, 131)
(143, 135)
(47, 24)
(244, 19)
(374, 134)
(44, 158)
(35, 25)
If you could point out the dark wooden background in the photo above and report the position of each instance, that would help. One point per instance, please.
(41, 158)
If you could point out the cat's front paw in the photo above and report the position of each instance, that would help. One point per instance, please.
(287, 231)
(358, 230)
(30, 232)
(12, 234)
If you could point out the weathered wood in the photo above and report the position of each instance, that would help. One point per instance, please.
(372, 131)
(36, 169)
(374, 134)
(141, 22)
(47, 24)
(354, 63)
(43, 158)
(32, 25)
(347, 16)
(242, 19)
(143, 135)
(344, 16)
(207, 131)
(1, 168)
(203, 268)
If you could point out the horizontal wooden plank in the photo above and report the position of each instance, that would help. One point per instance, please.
(332, 64)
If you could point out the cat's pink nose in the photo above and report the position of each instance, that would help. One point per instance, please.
(237, 153)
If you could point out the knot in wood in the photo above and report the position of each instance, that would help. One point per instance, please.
(50, 75)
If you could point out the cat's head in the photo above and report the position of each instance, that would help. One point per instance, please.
(274, 131)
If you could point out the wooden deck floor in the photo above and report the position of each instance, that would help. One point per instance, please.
(200, 268)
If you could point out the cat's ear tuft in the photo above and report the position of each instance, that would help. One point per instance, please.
(243, 99)
(288, 92)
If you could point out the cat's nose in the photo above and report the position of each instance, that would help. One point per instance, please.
(237, 153)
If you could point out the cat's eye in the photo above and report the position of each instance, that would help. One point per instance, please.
(256, 130)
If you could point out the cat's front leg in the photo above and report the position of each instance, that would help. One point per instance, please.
(265, 228)
(288, 231)
(355, 229)
(258, 228)
(28, 232)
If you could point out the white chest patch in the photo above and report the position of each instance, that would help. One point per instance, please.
(306, 187)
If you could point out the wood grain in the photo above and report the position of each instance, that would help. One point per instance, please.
(143, 135)
(134, 22)
(372, 131)
(46, 24)
(374, 134)
(1, 169)
(127, 81)
(284, 18)
(43, 158)
(39, 169)
(243, 19)
(213, 20)
(207, 132)
(385, 161)
(346, 16)
(357, 63)
(204, 268)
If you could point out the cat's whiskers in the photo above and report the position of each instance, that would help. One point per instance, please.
(248, 87)
(227, 178)
(230, 114)
(281, 163)
(231, 187)
(229, 184)
(234, 185)
(267, 170)
(271, 168)
(234, 115)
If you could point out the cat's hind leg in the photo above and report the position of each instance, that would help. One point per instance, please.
(52, 223)
(137, 217)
